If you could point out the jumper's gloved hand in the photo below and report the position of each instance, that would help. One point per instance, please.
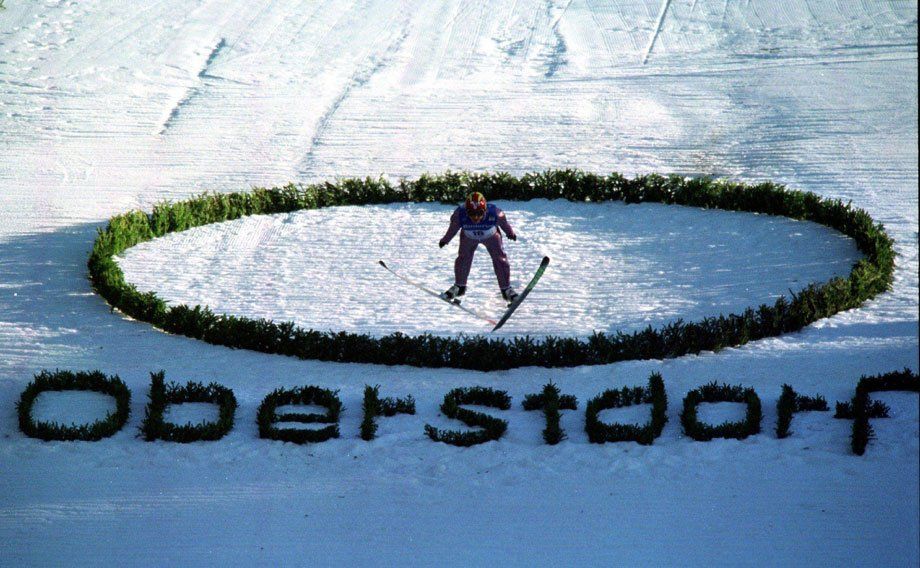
(512, 236)
(441, 243)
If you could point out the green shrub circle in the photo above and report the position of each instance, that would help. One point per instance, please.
(80, 381)
(869, 277)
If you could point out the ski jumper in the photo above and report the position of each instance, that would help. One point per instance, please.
(485, 232)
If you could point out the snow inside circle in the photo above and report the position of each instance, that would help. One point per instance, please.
(615, 267)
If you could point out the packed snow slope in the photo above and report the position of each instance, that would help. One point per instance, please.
(110, 106)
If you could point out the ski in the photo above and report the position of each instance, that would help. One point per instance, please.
(517, 301)
(454, 302)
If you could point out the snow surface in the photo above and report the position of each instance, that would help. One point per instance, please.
(109, 106)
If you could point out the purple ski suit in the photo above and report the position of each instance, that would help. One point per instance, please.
(485, 232)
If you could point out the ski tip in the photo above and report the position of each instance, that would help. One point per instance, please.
(383, 264)
(545, 261)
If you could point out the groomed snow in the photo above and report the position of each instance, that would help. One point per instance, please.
(109, 106)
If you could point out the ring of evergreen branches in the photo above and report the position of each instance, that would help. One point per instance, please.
(80, 381)
(714, 392)
(869, 277)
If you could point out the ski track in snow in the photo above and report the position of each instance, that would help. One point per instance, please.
(191, 92)
(107, 106)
